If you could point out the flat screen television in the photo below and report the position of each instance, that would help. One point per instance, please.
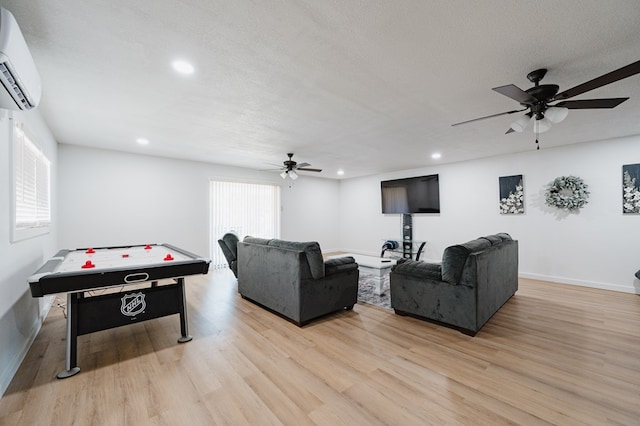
(411, 195)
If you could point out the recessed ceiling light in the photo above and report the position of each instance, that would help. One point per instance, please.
(436, 155)
(142, 141)
(183, 67)
(340, 172)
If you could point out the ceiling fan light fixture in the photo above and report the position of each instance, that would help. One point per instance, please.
(283, 175)
(521, 123)
(556, 114)
(293, 175)
(541, 125)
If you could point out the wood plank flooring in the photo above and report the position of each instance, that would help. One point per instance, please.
(554, 354)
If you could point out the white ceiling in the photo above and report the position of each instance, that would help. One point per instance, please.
(366, 86)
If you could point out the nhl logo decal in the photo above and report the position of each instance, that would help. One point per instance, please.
(132, 304)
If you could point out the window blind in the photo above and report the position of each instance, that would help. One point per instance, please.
(243, 208)
(32, 171)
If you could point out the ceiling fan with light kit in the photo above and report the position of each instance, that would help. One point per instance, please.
(290, 168)
(537, 100)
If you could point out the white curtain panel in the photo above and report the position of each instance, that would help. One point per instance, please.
(245, 209)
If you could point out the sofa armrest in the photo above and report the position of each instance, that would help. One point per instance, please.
(418, 269)
(339, 264)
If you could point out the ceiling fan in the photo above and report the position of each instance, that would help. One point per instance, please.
(290, 168)
(537, 100)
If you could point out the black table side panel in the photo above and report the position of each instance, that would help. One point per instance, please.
(86, 280)
(104, 312)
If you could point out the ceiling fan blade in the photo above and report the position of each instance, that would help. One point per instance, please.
(514, 92)
(304, 169)
(591, 103)
(603, 80)
(271, 170)
(490, 116)
(303, 165)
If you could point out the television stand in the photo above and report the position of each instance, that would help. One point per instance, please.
(407, 248)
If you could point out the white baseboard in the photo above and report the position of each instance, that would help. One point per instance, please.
(582, 283)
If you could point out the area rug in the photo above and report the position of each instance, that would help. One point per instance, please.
(366, 292)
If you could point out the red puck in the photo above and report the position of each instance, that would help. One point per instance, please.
(88, 264)
(125, 255)
(168, 257)
(147, 247)
(91, 251)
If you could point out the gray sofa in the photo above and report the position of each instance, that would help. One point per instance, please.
(473, 281)
(292, 279)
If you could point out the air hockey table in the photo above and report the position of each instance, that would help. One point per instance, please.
(79, 272)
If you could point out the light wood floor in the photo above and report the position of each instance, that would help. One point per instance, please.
(554, 354)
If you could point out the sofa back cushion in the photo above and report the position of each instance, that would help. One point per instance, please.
(256, 240)
(454, 258)
(497, 238)
(311, 249)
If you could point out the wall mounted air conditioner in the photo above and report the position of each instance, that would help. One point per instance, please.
(18, 74)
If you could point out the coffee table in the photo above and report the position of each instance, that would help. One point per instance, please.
(377, 267)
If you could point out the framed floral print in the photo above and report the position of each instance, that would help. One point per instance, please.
(511, 195)
(631, 188)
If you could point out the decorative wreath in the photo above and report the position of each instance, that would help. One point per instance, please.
(567, 192)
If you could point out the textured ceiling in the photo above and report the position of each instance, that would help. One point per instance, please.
(366, 86)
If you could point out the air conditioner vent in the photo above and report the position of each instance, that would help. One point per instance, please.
(12, 87)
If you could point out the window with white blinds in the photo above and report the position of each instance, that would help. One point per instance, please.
(32, 187)
(245, 209)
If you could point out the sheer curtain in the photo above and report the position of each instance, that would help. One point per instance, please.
(244, 208)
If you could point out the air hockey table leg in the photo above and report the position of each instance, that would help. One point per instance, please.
(184, 325)
(71, 362)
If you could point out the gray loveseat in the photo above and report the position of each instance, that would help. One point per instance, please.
(473, 281)
(292, 279)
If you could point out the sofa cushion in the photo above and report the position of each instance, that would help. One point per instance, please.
(497, 238)
(256, 240)
(417, 269)
(493, 239)
(311, 249)
(339, 264)
(454, 258)
(477, 245)
(504, 236)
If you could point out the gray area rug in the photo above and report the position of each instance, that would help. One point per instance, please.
(366, 292)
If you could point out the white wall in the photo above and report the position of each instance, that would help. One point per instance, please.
(310, 211)
(112, 198)
(20, 314)
(596, 247)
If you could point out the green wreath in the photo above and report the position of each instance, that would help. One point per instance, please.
(567, 192)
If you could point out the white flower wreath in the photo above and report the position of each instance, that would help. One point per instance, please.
(567, 192)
